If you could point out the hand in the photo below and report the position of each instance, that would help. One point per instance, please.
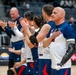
(24, 24)
(12, 24)
(56, 34)
(11, 50)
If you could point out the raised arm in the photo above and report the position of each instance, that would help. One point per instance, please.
(6, 28)
(42, 34)
(13, 26)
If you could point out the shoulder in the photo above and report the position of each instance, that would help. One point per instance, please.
(46, 26)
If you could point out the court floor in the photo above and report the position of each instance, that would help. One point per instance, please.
(3, 70)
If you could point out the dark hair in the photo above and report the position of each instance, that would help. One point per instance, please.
(29, 15)
(39, 21)
(48, 9)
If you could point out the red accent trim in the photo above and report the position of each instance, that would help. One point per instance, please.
(21, 70)
(32, 64)
(66, 72)
(45, 71)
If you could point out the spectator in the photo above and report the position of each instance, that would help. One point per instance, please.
(71, 21)
(64, 3)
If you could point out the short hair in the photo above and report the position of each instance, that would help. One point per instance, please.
(29, 15)
(47, 8)
(39, 21)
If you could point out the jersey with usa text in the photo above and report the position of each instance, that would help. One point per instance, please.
(59, 46)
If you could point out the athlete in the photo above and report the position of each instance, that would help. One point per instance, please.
(28, 16)
(20, 68)
(62, 45)
(16, 42)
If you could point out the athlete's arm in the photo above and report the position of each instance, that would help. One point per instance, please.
(6, 28)
(9, 31)
(47, 41)
(28, 42)
(18, 33)
(18, 52)
(41, 35)
(43, 32)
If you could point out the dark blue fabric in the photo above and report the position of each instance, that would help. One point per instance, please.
(36, 67)
(24, 72)
(34, 52)
(52, 24)
(17, 45)
(45, 67)
(65, 71)
(30, 67)
(9, 31)
(67, 30)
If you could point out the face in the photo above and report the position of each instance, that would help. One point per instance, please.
(14, 15)
(56, 15)
(71, 19)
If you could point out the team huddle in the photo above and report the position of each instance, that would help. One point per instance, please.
(41, 45)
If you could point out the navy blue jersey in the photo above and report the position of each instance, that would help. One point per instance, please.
(52, 24)
(67, 30)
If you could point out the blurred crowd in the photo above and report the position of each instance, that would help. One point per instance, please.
(62, 3)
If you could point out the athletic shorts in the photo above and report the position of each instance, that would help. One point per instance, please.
(30, 67)
(22, 70)
(36, 67)
(45, 67)
(66, 71)
(17, 45)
